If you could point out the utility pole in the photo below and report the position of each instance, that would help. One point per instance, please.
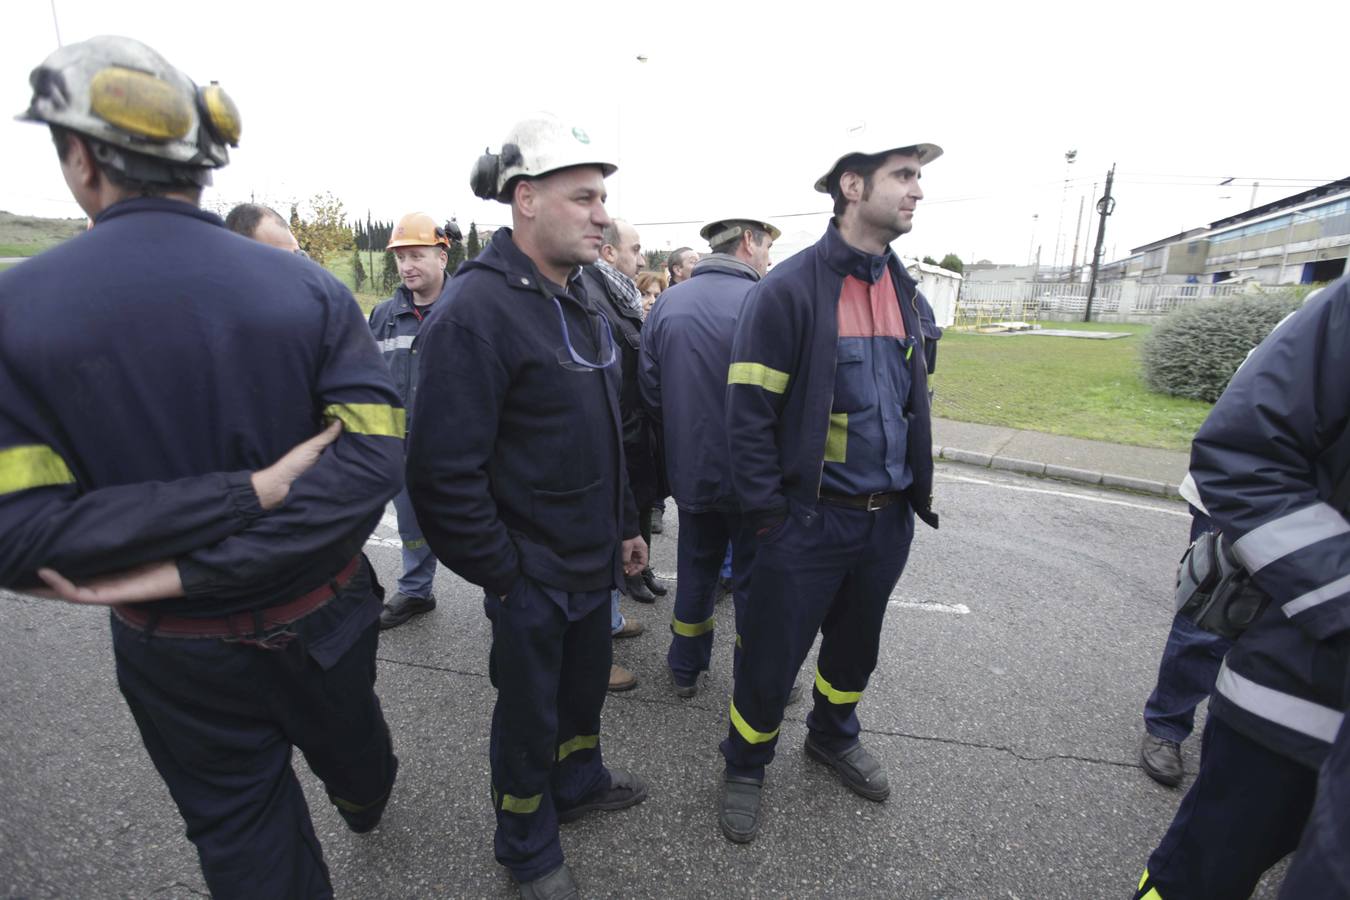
(1105, 207)
(1073, 263)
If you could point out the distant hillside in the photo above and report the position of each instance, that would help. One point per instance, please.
(29, 235)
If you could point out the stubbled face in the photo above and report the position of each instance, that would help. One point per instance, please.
(421, 268)
(759, 254)
(570, 215)
(626, 256)
(895, 193)
(275, 234)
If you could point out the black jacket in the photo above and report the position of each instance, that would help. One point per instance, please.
(516, 466)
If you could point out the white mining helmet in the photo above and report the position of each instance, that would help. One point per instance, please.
(925, 152)
(535, 146)
(126, 97)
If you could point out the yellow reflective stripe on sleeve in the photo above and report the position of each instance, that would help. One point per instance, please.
(580, 742)
(685, 629)
(835, 696)
(379, 419)
(32, 466)
(521, 805)
(415, 545)
(759, 375)
(836, 439)
(751, 735)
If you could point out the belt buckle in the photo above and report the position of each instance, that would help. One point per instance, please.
(874, 501)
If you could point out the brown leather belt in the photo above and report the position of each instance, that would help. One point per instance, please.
(866, 502)
(236, 625)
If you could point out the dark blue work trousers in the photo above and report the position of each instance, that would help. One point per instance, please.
(551, 672)
(1242, 815)
(701, 550)
(830, 570)
(1321, 868)
(219, 719)
(1190, 663)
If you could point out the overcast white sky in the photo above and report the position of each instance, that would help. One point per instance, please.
(740, 106)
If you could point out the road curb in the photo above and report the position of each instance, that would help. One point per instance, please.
(1057, 472)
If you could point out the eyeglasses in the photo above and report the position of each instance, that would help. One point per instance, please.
(572, 351)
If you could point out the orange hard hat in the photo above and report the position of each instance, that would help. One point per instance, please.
(417, 230)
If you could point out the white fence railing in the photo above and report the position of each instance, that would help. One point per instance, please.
(1025, 301)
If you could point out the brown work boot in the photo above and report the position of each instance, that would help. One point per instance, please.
(630, 629)
(620, 679)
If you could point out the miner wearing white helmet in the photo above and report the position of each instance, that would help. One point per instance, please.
(830, 442)
(516, 472)
(167, 363)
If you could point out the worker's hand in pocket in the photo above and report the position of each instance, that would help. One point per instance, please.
(273, 483)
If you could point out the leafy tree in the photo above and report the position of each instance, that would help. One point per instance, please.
(474, 246)
(325, 233)
(929, 261)
(952, 263)
(358, 270)
(656, 260)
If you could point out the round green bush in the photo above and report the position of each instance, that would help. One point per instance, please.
(1194, 351)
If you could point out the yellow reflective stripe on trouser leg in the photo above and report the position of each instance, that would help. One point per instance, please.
(832, 694)
(751, 735)
(758, 375)
(580, 742)
(691, 630)
(1152, 892)
(378, 419)
(520, 805)
(836, 439)
(32, 466)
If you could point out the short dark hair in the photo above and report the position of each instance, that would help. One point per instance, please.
(246, 217)
(132, 187)
(676, 258)
(864, 165)
(757, 235)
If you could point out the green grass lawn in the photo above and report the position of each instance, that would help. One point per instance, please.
(1070, 386)
(341, 266)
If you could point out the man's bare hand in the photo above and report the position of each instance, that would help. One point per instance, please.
(152, 581)
(634, 556)
(274, 483)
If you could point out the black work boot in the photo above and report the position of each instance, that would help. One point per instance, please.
(401, 608)
(636, 589)
(654, 584)
(859, 770)
(739, 814)
(1161, 759)
(556, 885)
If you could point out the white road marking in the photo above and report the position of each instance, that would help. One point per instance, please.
(959, 609)
(1074, 496)
(389, 522)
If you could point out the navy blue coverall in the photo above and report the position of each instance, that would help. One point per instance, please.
(1266, 463)
(147, 368)
(516, 471)
(827, 404)
(686, 350)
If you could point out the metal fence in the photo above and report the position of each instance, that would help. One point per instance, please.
(1159, 299)
(985, 302)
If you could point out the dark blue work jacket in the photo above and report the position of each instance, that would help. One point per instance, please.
(147, 367)
(781, 382)
(395, 324)
(686, 349)
(1266, 462)
(516, 465)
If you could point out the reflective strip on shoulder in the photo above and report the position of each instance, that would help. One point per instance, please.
(751, 735)
(836, 439)
(1317, 597)
(402, 342)
(369, 418)
(832, 694)
(1294, 713)
(759, 375)
(580, 742)
(685, 629)
(32, 466)
(1288, 534)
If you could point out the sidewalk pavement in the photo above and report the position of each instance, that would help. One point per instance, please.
(1119, 466)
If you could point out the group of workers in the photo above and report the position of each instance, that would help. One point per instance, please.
(201, 431)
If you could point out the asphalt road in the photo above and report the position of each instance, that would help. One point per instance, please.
(1021, 644)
